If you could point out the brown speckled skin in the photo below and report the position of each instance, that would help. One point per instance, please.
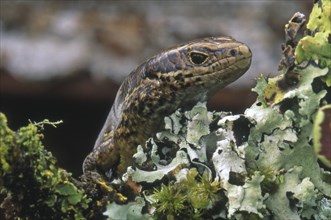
(159, 86)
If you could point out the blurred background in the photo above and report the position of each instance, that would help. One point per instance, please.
(65, 60)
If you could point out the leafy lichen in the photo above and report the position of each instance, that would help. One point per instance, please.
(317, 46)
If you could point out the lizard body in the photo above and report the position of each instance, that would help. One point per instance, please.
(175, 78)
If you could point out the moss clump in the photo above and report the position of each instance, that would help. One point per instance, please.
(170, 202)
(32, 186)
(189, 199)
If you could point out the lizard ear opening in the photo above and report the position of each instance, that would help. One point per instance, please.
(198, 58)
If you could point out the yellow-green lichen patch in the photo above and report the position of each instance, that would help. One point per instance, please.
(320, 17)
(273, 94)
(317, 46)
(321, 134)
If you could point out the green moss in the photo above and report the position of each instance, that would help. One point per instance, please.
(32, 183)
(189, 199)
(170, 201)
(201, 192)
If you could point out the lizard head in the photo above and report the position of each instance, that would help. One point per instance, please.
(207, 64)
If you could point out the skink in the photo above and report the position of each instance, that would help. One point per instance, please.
(175, 78)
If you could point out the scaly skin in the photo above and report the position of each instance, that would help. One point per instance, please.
(175, 78)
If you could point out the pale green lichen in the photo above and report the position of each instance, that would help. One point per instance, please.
(246, 198)
(288, 144)
(139, 175)
(253, 182)
(131, 210)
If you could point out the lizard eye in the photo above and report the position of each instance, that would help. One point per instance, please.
(198, 58)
